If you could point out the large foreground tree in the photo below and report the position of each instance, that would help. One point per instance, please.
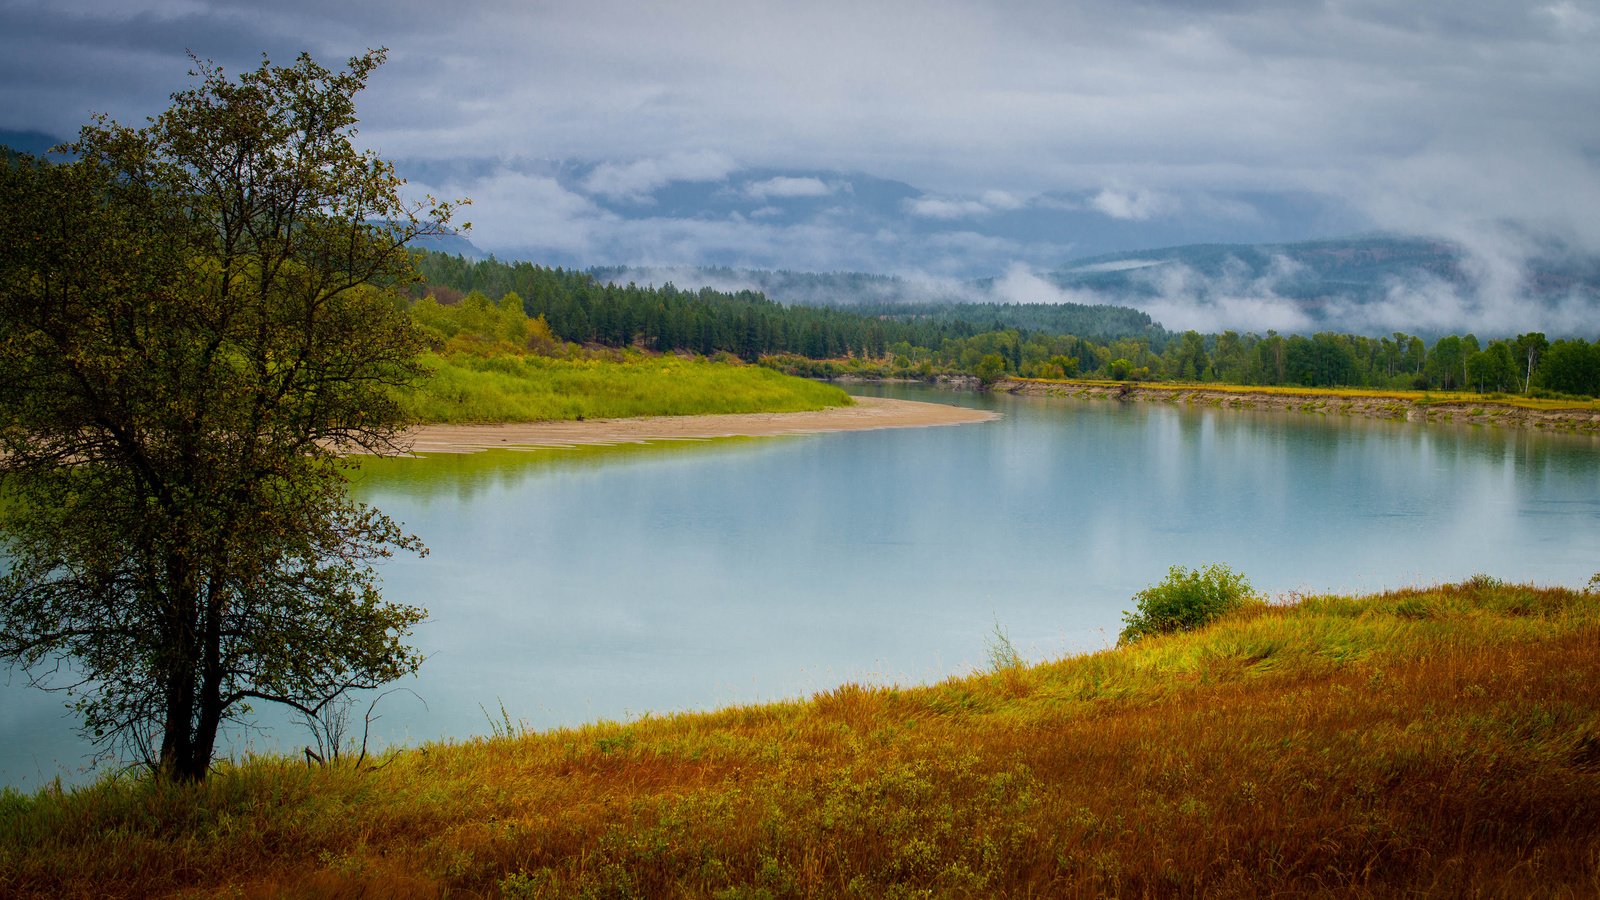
(196, 318)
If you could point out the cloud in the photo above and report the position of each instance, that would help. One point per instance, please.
(636, 181)
(1513, 204)
(1236, 299)
(1472, 119)
(1570, 18)
(1118, 265)
(1240, 298)
(1136, 204)
(783, 186)
(1003, 200)
(949, 209)
(1021, 284)
(511, 207)
(936, 208)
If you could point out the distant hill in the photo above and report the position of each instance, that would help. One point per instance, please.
(834, 289)
(891, 297)
(1326, 279)
(1307, 269)
(33, 143)
(1366, 285)
(452, 244)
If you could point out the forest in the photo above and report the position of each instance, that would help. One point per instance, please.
(993, 340)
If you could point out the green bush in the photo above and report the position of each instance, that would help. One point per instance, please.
(1184, 601)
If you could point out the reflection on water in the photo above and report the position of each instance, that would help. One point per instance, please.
(617, 581)
(466, 475)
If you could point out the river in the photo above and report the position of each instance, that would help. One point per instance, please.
(570, 586)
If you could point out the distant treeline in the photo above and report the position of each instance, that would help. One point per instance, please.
(996, 340)
(584, 309)
(1528, 363)
(846, 289)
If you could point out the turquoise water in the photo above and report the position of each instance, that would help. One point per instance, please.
(577, 585)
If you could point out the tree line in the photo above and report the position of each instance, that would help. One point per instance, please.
(1527, 363)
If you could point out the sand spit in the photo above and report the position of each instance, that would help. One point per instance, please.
(867, 413)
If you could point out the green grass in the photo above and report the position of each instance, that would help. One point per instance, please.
(1440, 741)
(467, 388)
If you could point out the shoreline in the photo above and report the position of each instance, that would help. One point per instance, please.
(1394, 408)
(867, 414)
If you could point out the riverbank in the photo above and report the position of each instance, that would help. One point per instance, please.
(866, 413)
(1399, 405)
(1439, 741)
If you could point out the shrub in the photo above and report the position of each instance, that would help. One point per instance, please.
(991, 368)
(1185, 601)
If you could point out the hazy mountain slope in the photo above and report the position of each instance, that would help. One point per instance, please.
(1361, 284)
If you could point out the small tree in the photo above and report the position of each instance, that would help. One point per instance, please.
(991, 368)
(1185, 601)
(194, 320)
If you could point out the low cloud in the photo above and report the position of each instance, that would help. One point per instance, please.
(1237, 299)
(1490, 299)
(1021, 284)
(946, 210)
(636, 181)
(1117, 265)
(1136, 204)
(534, 207)
(1003, 201)
(1515, 206)
(729, 281)
(1430, 305)
(784, 187)
(951, 208)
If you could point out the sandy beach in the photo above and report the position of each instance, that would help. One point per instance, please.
(867, 413)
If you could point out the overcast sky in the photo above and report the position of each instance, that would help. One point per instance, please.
(992, 133)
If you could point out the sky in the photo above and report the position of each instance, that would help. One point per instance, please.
(936, 138)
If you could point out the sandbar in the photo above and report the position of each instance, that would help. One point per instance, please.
(868, 413)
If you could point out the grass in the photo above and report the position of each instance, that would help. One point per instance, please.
(492, 363)
(469, 388)
(1424, 398)
(1432, 741)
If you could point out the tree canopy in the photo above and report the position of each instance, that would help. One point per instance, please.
(196, 317)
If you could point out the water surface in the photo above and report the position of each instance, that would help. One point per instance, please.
(615, 582)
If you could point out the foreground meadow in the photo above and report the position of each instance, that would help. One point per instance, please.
(1441, 741)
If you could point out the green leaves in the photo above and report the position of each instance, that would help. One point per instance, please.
(1184, 601)
(195, 322)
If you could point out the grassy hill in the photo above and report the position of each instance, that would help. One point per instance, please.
(495, 364)
(467, 388)
(1435, 741)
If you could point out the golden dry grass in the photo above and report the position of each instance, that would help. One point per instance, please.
(1438, 742)
(1418, 397)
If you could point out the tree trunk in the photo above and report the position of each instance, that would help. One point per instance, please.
(185, 751)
